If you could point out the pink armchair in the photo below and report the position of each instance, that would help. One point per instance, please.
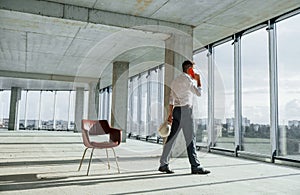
(99, 127)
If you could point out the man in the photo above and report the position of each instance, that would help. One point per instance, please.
(180, 114)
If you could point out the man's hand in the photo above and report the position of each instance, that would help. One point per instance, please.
(197, 78)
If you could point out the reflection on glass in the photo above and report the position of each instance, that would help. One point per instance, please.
(224, 95)
(255, 93)
(200, 105)
(288, 32)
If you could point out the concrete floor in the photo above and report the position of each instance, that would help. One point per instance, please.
(36, 162)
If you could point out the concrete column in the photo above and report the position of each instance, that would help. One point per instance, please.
(79, 104)
(15, 98)
(179, 47)
(120, 97)
(93, 101)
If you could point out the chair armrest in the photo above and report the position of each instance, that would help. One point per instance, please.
(115, 135)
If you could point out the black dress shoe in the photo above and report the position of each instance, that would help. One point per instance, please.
(165, 169)
(200, 171)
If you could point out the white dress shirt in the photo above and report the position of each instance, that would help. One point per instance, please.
(183, 89)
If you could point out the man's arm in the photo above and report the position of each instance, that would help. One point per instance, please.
(171, 103)
(197, 78)
(170, 118)
(196, 88)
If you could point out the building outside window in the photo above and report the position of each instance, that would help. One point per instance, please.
(288, 33)
(255, 92)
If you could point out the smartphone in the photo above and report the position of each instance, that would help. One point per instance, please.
(191, 72)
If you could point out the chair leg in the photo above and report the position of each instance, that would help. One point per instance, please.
(82, 159)
(107, 158)
(116, 160)
(87, 173)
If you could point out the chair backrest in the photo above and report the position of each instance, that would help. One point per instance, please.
(90, 127)
(98, 127)
(93, 127)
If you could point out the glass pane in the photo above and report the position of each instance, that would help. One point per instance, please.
(4, 108)
(160, 105)
(100, 105)
(143, 103)
(288, 32)
(129, 108)
(154, 104)
(255, 93)
(109, 103)
(72, 110)
(103, 103)
(224, 95)
(85, 104)
(33, 98)
(134, 107)
(62, 109)
(200, 107)
(22, 110)
(47, 109)
(102, 100)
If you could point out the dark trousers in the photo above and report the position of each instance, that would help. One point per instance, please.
(182, 119)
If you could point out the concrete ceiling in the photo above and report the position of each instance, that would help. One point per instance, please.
(46, 38)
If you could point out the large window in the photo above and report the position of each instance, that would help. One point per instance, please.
(255, 93)
(288, 32)
(200, 103)
(47, 110)
(224, 95)
(145, 103)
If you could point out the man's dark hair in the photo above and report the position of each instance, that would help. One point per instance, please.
(186, 65)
